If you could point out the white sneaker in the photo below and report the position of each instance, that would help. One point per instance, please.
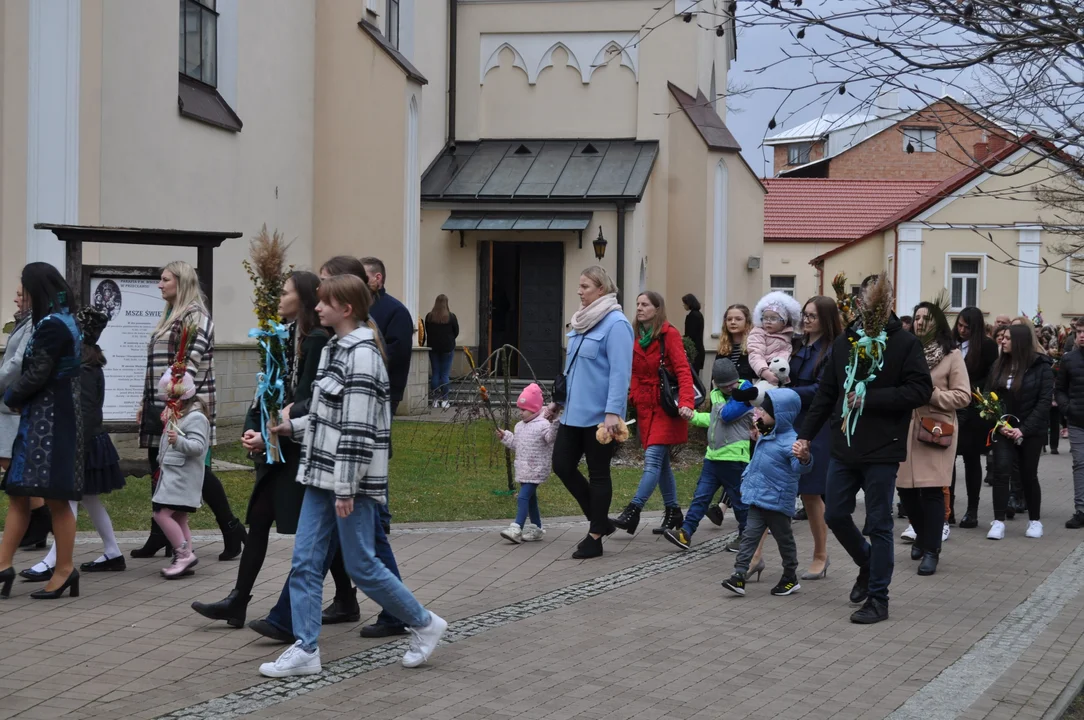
(532, 533)
(997, 530)
(909, 534)
(445, 404)
(294, 661)
(945, 531)
(436, 404)
(513, 534)
(423, 641)
(1035, 529)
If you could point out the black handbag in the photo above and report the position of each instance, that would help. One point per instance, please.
(560, 383)
(670, 391)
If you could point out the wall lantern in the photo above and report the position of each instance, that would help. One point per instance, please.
(600, 245)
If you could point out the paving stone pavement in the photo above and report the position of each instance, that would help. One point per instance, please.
(644, 632)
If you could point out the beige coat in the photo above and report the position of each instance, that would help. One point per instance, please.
(927, 465)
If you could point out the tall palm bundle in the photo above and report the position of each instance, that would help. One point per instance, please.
(268, 272)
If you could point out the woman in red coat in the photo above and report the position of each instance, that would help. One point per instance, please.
(657, 430)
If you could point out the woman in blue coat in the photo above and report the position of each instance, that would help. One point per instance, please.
(47, 458)
(821, 325)
(598, 369)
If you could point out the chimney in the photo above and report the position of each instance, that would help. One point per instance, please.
(886, 103)
(981, 151)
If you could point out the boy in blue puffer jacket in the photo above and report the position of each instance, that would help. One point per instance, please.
(770, 488)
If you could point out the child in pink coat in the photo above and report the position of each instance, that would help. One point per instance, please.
(775, 317)
(532, 442)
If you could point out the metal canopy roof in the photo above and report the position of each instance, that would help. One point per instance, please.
(510, 220)
(541, 171)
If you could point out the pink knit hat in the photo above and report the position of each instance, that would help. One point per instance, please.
(530, 399)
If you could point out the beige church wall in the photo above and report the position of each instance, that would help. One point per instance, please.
(792, 258)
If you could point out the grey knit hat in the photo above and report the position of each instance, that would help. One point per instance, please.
(723, 371)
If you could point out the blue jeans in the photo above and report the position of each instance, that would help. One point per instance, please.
(717, 474)
(442, 370)
(657, 472)
(527, 503)
(280, 615)
(357, 532)
(879, 483)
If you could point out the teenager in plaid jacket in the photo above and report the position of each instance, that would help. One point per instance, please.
(344, 467)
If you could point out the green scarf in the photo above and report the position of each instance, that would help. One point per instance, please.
(646, 336)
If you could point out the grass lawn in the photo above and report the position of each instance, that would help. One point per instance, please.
(439, 472)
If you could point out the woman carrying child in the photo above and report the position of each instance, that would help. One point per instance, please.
(532, 442)
(775, 318)
(770, 488)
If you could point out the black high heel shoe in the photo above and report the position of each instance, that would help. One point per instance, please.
(6, 579)
(71, 583)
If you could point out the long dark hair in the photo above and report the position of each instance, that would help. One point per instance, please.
(346, 265)
(976, 323)
(47, 289)
(440, 314)
(691, 301)
(1017, 361)
(305, 285)
(942, 333)
(831, 324)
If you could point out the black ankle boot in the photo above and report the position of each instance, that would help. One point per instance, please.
(928, 566)
(588, 548)
(672, 519)
(157, 541)
(232, 609)
(629, 519)
(916, 552)
(342, 610)
(233, 536)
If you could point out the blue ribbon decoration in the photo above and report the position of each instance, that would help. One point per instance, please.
(875, 351)
(270, 384)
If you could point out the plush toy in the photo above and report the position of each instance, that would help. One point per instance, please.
(604, 437)
(755, 395)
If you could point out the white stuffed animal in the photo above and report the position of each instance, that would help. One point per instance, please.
(781, 368)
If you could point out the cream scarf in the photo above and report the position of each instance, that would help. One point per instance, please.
(587, 317)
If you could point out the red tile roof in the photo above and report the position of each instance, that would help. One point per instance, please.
(826, 209)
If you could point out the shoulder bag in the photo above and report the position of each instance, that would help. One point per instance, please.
(560, 383)
(669, 390)
(936, 433)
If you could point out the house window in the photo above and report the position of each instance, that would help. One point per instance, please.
(963, 283)
(199, 41)
(920, 139)
(783, 283)
(391, 23)
(798, 153)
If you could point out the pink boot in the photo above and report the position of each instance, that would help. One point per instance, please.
(183, 562)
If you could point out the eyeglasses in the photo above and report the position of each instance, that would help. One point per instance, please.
(809, 316)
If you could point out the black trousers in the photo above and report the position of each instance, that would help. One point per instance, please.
(1026, 454)
(972, 481)
(925, 508)
(214, 495)
(1055, 426)
(593, 495)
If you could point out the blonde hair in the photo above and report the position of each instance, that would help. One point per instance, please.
(598, 275)
(440, 313)
(725, 341)
(350, 290)
(189, 293)
(195, 403)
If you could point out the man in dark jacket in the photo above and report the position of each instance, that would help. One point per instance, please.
(870, 459)
(1069, 389)
(397, 327)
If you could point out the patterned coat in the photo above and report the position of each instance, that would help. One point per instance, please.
(10, 367)
(47, 458)
(161, 350)
(347, 433)
(533, 444)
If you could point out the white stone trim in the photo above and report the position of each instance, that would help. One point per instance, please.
(1027, 284)
(412, 211)
(533, 52)
(909, 268)
(52, 157)
(719, 245)
(227, 52)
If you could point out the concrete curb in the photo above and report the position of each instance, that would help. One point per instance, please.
(1061, 705)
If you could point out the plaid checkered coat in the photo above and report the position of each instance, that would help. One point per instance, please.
(161, 350)
(347, 433)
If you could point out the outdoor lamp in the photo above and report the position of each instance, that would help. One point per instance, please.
(600, 245)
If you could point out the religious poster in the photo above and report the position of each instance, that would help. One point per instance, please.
(134, 306)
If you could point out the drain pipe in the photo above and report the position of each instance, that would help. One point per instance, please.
(453, 41)
(620, 249)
